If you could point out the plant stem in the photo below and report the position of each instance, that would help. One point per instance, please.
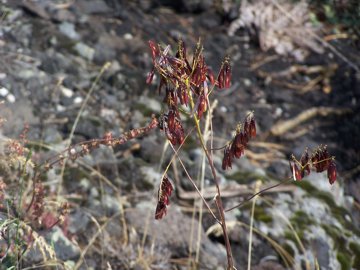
(258, 193)
(213, 171)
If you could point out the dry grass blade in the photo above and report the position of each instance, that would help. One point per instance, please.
(77, 119)
(257, 188)
(206, 136)
(93, 239)
(287, 258)
(233, 190)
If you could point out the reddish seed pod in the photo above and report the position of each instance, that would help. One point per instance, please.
(226, 163)
(210, 75)
(160, 211)
(220, 79)
(201, 106)
(246, 136)
(237, 150)
(171, 120)
(227, 76)
(252, 127)
(149, 77)
(224, 78)
(296, 173)
(197, 77)
(331, 172)
(320, 159)
(154, 49)
(164, 193)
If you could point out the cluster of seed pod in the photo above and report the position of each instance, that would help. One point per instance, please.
(236, 147)
(171, 125)
(184, 83)
(320, 160)
(164, 193)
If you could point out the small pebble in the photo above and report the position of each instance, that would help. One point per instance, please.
(3, 91)
(78, 100)
(10, 98)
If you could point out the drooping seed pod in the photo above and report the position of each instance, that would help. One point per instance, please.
(224, 78)
(164, 193)
(227, 75)
(201, 107)
(237, 147)
(331, 172)
(296, 173)
(226, 163)
(321, 159)
(210, 75)
(154, 49)
(171, 120)
(150, 76)
(252, 128)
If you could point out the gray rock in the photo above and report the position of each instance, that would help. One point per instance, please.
(151, 148)
(150, 176)
(68, 29)
(78, 221)
(57, 242)
(52, 135)
(150, 103)
(64, 248)
(85, 51)
(103, 53)
(93, 7)
(173, 232)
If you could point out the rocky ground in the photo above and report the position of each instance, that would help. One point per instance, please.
(52, 53)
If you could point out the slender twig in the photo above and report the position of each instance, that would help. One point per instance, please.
(257, 186)
(258, 193)
(77, 119)
(213, 171)
(195, 186)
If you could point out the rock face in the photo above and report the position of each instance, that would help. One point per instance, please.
(171, 235)
(56, 246)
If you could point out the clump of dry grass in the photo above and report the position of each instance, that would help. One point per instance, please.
(280, 25)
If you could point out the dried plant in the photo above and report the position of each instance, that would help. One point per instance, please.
(187, 84)
(320, 160)
(280, 25)
(187, 90)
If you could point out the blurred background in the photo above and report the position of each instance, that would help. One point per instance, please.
(296, 64)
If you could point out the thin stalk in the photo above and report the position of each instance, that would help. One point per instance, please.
(195, 186)
(258, 193)
(77, 119)
(213, 171)
(257, 186)
(202, 176)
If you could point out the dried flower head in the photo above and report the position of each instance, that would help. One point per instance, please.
(38, 203)
(331, 172)
(171, 125)
(224, 78)
(164, 193)
(320, 160)
(184, 83)
(236, 147)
